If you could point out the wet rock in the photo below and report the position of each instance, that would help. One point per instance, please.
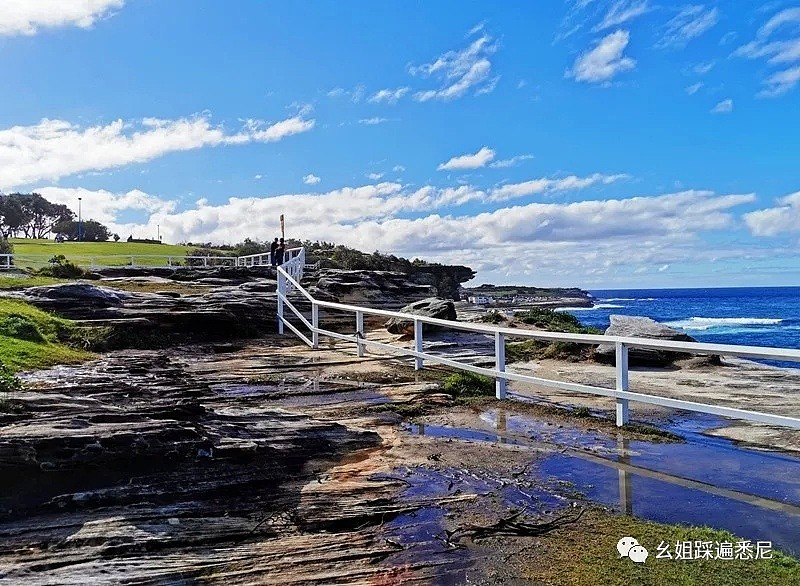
(642, 327)
(431, 307)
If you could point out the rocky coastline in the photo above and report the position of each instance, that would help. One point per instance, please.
(199, 446)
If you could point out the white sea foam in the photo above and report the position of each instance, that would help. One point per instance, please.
(707, 323)
(598, 306)
(629, 299)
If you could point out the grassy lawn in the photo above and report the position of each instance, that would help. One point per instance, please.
(35, 253)
(21, 280)
(586, 554)
(31, 338)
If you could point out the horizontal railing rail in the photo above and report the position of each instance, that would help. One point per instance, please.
(290, 273)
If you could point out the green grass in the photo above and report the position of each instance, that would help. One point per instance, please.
(81, 253)
(586, 554)
(31, 338)
(21, 280)
(468, 384)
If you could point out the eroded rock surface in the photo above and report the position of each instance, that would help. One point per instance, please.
(642, 327)
(431, 307)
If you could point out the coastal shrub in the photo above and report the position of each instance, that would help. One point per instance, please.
(552, 321)
(492, 317)
(20, 327)
(61, 268)
(9, 383)
(468, 384)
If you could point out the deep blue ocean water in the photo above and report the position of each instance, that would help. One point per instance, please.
(751, 316)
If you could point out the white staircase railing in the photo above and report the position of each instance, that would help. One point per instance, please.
(290, 273)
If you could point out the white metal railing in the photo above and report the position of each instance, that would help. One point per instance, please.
(288, 280)
(6, 261)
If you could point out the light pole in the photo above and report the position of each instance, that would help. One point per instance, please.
(158, 232)
(80, 222)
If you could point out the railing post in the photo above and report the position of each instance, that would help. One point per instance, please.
(315, 324)
(622, 382)
(418, 343)
(359, 334)
(205, 261)
(281, 290)
(133, 262)
(500, 364)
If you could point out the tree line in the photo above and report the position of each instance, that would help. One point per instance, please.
(29, 215)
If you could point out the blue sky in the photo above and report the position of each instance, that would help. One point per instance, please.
(619, 143)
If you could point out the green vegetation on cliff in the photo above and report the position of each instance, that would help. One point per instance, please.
(549, 321)
(31, 338)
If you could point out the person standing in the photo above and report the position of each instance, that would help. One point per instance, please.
(280, 252)
(273, 250)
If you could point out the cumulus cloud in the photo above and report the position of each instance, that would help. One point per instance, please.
(691, 22)
(784, 218)
(779, 44)
(106, 207)
(622, 11)
(459, 71)
(311, 179)
(53, 149)
(27, 17)
(602, 63)
(474, 161)
(551, 241)
(389, 96)
(723, 107)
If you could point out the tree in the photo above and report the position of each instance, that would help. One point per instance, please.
(31, 214)
(90, 231)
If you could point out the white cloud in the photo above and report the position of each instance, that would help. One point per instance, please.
(604, 61)
(703, 68)
(373, 121)
(551, 242)
(622, 11)
(723, 107)
(389, 96)
(257, 177)
(784, 17)
(375, 176)
(311, 179)
(691, 22)
(785, 218)
(505, 163)
(26, 17)
(547, 185)
(355, 95)
(474, 161)
(55, 148)
(694, 88)
(106, 207)
(398, 168)
(778, 51)
(663, 268)
(781, 82)
(459, 71)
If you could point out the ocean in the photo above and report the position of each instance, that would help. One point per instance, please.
(751, 316)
